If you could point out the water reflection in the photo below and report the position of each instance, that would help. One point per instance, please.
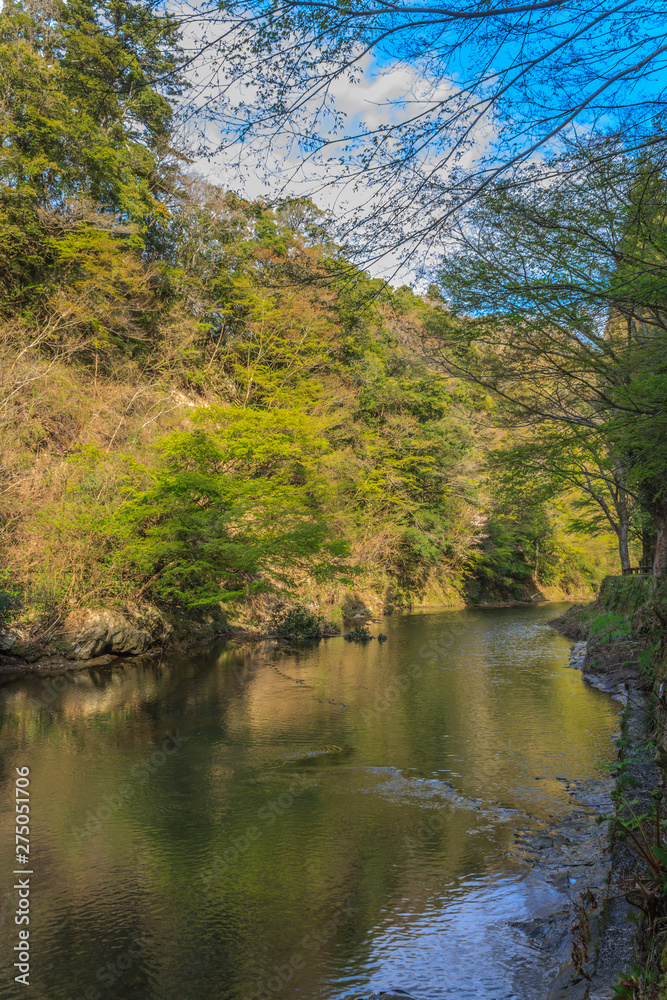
(324, 825)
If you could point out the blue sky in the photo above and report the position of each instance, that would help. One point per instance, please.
(409, 73)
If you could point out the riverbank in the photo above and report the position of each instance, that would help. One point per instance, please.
(77, 639)
(620, 642)
(607, 936)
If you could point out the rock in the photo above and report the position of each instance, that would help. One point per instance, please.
(92, 632)
(7, 640)
(26, 651)
(147, 618)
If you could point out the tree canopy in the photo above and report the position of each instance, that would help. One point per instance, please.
(557, 297)
(203, 398)
(422, 106)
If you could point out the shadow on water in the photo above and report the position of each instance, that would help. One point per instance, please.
(321, 825)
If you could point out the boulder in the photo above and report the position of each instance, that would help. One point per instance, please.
(92, 632)
(27, 651)
(7, 640)
(147, 618)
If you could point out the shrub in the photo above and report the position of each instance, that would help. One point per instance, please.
(295, 622)
(358, 634)
(606, 628)
(9, 605)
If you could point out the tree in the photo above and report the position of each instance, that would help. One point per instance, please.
(644, 440)
(551, 461)
(477, 90)
(86, 168)
(80, 118)
(84, 133)
(558, 299)
(234, 507)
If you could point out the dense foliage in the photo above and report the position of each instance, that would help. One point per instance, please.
(203, 400)
(556, 295)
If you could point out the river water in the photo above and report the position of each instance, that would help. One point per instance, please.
(230, 825)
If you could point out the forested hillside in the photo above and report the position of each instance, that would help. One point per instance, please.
(204, 403)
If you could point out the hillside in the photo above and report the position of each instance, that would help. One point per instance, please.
(206, 406)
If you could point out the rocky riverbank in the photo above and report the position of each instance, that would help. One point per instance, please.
(87, 637)
(619, 644)
(606, 935)
(94, 637)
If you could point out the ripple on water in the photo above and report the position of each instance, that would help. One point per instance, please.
(472, 941)
(355, 806)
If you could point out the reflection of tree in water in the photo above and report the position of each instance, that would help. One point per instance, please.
(299, 808)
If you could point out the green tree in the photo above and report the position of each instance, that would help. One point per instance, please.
(84, 131)
(550, 461)
(233, 507)
(556, 298)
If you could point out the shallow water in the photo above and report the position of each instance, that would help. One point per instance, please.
(319, 826)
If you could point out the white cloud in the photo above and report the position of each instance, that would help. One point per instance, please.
(381, 97)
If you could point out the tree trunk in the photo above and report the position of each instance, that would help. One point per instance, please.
(623, 546)
(648, 546)
(623, 514)
(660, 560)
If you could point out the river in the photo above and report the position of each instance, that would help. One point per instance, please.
(232, 825)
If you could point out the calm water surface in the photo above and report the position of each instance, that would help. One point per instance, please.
(320, 826)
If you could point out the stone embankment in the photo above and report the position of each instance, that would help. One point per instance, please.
(615, 927)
